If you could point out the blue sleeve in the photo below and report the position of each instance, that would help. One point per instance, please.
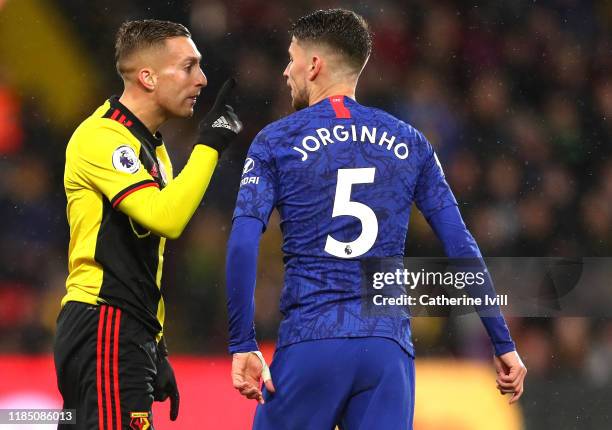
(459, 243)
(241, 274)
(432, 192)
(257, 194)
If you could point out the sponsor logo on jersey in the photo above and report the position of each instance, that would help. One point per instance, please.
(250, 180)
(249, 164)
(153, 172)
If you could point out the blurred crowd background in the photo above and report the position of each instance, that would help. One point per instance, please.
(516, 97)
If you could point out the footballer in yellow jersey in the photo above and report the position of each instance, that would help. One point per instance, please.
(123, 203)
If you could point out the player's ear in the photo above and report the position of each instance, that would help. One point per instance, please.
(314, 68)
(147, 79)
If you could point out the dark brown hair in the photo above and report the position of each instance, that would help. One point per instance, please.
(341, 29)
(135, 35)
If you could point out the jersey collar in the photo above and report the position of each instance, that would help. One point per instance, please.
(123, 115)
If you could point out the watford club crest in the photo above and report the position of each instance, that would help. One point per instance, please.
(140, 421)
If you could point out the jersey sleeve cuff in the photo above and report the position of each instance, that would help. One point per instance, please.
(502, 348)
(247, 346)
(131, 189)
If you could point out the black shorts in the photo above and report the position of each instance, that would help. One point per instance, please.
(105, 362)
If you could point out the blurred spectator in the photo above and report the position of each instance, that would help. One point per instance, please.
(11, 131)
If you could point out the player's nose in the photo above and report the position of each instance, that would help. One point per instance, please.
(202, 80)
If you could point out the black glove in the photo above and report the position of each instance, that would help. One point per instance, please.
(221, 124)
(165, 382)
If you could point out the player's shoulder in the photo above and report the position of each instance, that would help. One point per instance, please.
(298, 122)
(97, 134)
(100, 128)
(391, 121)
(281, 128)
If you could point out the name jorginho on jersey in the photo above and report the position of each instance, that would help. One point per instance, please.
(354, 134)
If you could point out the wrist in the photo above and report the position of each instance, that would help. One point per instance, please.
(502, 348)
(213, 141)
(244, 347)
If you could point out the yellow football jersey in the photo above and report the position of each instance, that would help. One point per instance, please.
(121, 203)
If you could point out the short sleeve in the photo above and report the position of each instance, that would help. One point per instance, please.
(257, 194)
(432, 192)
(104, 159)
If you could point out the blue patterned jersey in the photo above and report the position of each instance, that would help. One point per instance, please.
(343, 178)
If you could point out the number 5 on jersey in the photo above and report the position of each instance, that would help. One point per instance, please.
(344, 206)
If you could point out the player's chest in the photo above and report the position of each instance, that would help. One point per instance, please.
(157, 163)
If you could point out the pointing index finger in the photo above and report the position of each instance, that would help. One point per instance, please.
(224, 92)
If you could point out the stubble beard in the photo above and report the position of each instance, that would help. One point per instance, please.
(300, 100)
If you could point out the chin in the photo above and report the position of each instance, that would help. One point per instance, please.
(184, 113)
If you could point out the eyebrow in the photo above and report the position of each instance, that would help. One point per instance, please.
(192, 59)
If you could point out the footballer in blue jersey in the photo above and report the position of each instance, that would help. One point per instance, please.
(343, 178)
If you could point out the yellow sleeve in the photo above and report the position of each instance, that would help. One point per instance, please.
(166, 212)
(105, 159)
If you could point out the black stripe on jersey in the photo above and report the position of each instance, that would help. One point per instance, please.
(130, 268)
(129, 190)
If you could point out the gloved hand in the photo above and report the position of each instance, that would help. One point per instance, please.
(221, 124)
(165, 381)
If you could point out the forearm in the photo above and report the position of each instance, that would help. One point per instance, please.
(241, 274)
(166, 212)
(460, 244)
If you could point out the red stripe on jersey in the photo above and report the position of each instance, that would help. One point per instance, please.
(128, 123)
(109, 409)
(337, 103)
(121, 119)
(116, 368)
(115, 114)
(99, 365)
(120, 199)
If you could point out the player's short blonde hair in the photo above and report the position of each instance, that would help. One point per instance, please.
(133, 36)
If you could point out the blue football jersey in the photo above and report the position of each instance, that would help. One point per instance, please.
(343, 178)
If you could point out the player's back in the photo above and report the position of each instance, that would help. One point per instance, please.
(343, 177)
(346, 183)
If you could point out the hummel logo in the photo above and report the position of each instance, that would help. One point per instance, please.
(221, 122)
